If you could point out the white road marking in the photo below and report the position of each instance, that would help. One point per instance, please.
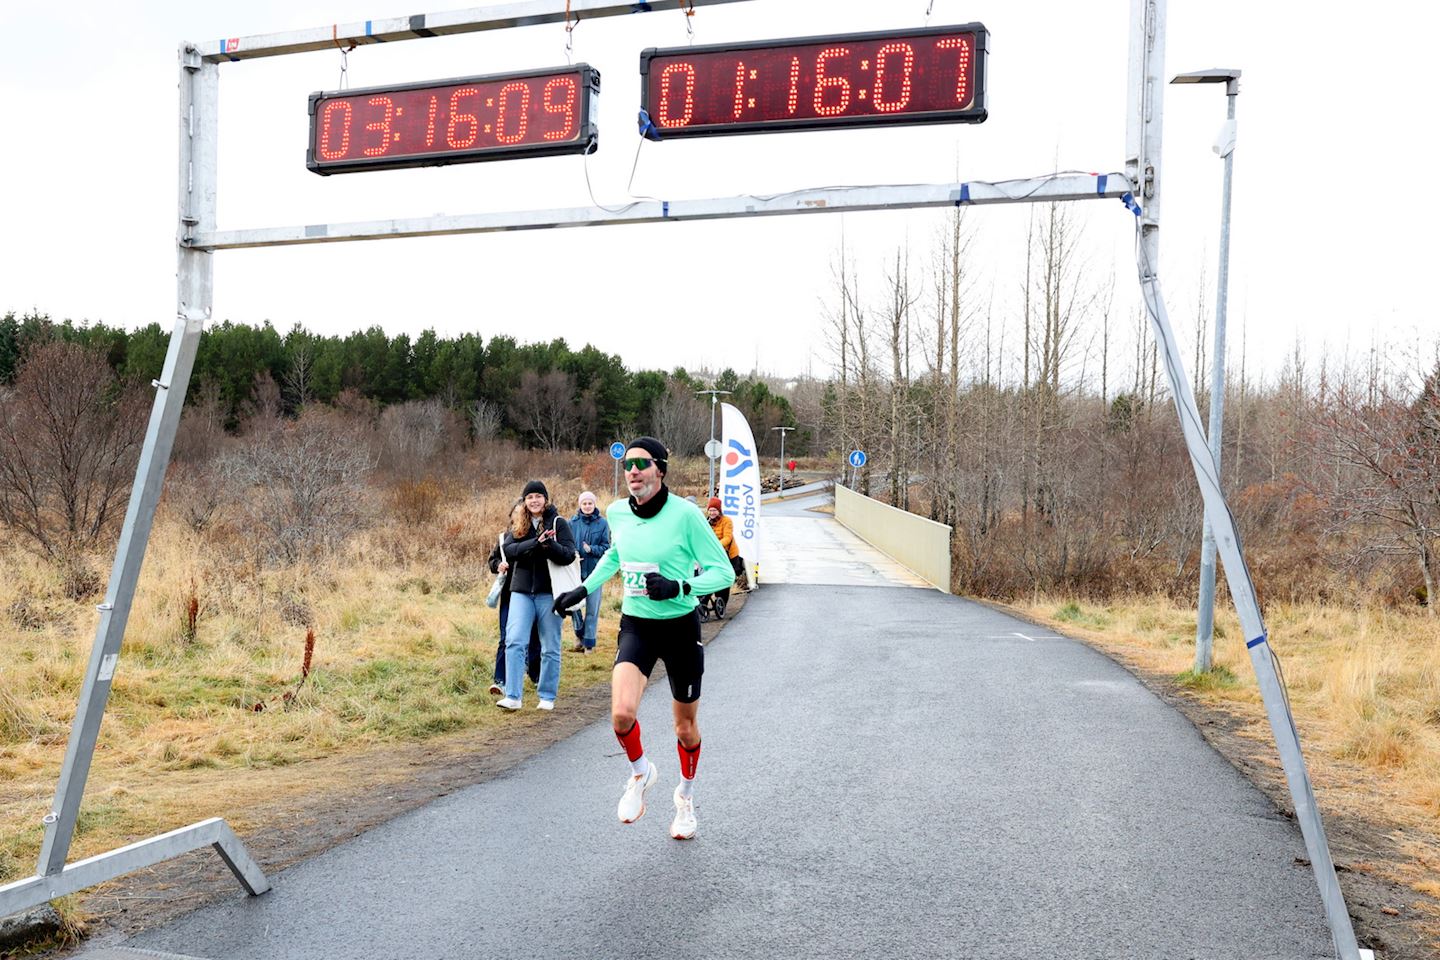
(1023, 637)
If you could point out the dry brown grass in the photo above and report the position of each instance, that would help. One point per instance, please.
(197, 723)
(1364, 685)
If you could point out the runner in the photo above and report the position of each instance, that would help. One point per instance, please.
(656, 542)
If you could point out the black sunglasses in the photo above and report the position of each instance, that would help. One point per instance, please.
(636, 463)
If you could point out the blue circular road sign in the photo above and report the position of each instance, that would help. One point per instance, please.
(857, 458)
(617, 450)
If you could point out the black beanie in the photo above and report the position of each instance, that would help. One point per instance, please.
(535, 486)
(656, 449)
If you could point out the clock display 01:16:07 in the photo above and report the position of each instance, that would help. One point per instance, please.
(920, 76)
(453, 121)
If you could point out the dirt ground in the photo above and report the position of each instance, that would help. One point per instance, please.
(384, 784)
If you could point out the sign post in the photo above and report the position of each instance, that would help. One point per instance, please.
(782, 431)
(713, 448)
(856, 460)
(617, 453)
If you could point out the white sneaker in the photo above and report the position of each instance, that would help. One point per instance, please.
(509, 703)
(545, 705)
(683, 826)
(632, 801)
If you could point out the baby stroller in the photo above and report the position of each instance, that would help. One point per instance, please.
(712, 606)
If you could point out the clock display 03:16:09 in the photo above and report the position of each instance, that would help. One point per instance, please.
(931, 75)
(454, 121)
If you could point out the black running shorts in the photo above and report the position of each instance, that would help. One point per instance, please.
(675, 641)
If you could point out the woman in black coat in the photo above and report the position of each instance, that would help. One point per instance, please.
(532, 653)
(538, 536)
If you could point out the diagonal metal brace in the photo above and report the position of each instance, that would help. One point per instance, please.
(215, 832)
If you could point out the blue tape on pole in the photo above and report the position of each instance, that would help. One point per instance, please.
(664, 208)
(1257, 641)
(639, 8)
(647, 127)
(1130, 204)
(964, 193)
(1100, 184)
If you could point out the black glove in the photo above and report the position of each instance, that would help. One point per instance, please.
(567, 600)
(658, 587)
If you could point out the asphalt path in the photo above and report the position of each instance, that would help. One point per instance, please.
(887, 771)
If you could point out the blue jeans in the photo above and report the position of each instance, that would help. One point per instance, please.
(532, 653)
(588, 622)
(527, 609)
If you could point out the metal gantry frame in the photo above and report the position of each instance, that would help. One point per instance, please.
(198, 238)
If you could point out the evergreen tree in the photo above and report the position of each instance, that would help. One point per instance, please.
(145, 351)
(9, 347)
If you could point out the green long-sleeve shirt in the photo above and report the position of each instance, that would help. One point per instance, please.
(671, 543)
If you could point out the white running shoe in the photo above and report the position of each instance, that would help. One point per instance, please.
(632, 801)
(683, 826)
(545, 705)
(509, 703)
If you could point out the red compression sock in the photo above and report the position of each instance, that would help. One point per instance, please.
(689, 759)
(630, 740)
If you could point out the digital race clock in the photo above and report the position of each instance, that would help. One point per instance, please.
(498, 117)
(931, 75)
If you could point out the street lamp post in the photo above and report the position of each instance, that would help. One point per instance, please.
(715, 396)
(783, 431)
(1225, 146)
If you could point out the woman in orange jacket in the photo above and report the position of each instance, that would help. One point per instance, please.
(725, 531)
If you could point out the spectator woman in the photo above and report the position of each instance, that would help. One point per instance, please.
(725, 531)
(538, 536)
(592, 539)
(532, 653)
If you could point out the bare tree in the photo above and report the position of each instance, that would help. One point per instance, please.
(415, 433)
(866, 375)
(897, 313)
(485, 420)
(262, 412)
(837, 335)
(300, 375)
(546, 407)
(1390, 502)
(70, 435)
(301, 485)
(681, 418)
(202, 425)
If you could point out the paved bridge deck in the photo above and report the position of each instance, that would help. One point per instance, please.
(804, 546)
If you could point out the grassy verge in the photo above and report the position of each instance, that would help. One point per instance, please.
(208, 712)
(1364, 685)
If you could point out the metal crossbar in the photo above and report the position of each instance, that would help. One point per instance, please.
(421, 26)
(827, 200)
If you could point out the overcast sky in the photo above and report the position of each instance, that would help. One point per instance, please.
(1333, 236)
